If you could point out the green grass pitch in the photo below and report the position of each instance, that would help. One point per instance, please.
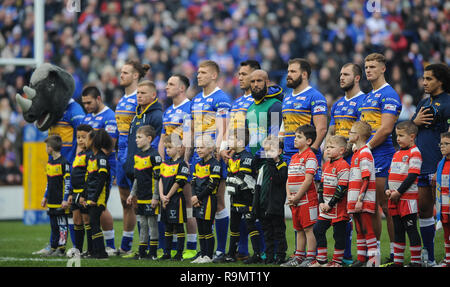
(18, 241)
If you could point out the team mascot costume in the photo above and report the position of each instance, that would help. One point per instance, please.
(47, 103)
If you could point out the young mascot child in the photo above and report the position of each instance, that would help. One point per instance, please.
(269, 200)
(403, 193)
(443, 194)
(240, 185)
(76, 197)
(361, 193)
(146, 190)
(174, 175)
(333, 202)
(302, 196)
(56, 195)
(204, 183)
(97, 187)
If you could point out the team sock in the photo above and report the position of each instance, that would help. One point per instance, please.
(243, 240)
(427, 232)
(161, 237)
(79, 236)
(222, 220)
(322, 254)
(109, 238)
(338, 255)
(71, 230)
(261, 235)
(348, 240)
(181, 238)
(191, 241)
(127, 240)
(88, 229)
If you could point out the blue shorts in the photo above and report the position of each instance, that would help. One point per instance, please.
(424, 180)
(121, 178)
(382, 164)
(318, 175)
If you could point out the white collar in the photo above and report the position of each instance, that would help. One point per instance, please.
(103, 110)
(132, 94)
(215, 90)
(304, 90)
(182, 103)
(354, 97)
(383, 86)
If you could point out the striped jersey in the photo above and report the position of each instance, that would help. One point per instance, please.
(238, 111)
(300, 165)
(376, 103)
(206, 108)
(334, 174)
(176, 119)
(78, 175)
(58, 173)
(345, 112)
(66, 128)
(362, 166)
(125, 112)
(445, 192)
(299, 109)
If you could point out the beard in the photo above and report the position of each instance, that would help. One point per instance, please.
(295, 83)
(258, 95)
(348, 87)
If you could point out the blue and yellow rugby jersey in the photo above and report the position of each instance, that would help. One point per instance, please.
(66, 128)
(376, 103)
(299, 109)
(176, 119)
(106, 120)
(125, 112)
(205, 110)
(238, 111)
(345, 112)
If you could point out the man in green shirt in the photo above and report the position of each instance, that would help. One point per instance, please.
(264, 115)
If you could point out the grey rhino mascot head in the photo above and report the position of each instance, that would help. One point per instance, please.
(48, 95)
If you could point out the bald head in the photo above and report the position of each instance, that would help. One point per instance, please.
(259, 80)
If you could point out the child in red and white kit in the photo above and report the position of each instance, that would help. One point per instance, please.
(302, 196)
(403, 194)
(361, 196)
(333, 202)
(442, 190)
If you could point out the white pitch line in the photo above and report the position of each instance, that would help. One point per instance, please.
(32, 259)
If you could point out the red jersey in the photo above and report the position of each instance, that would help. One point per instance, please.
(362, 166)
(300, 165)
(445, 192)
(404, 162)
(335, 173)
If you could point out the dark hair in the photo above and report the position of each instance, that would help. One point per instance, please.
(101, 139)
(252, 64)
(305, 66)
(445, 135)
(356, 69)
(183, 79)
(91, 91)
(408, 126)
(173, 139)
(84, 128)
(308, 131)
(55, 142)
(147, 130)
(442, 73)
(142, 69)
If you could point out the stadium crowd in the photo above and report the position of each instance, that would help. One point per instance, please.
(174, 36)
